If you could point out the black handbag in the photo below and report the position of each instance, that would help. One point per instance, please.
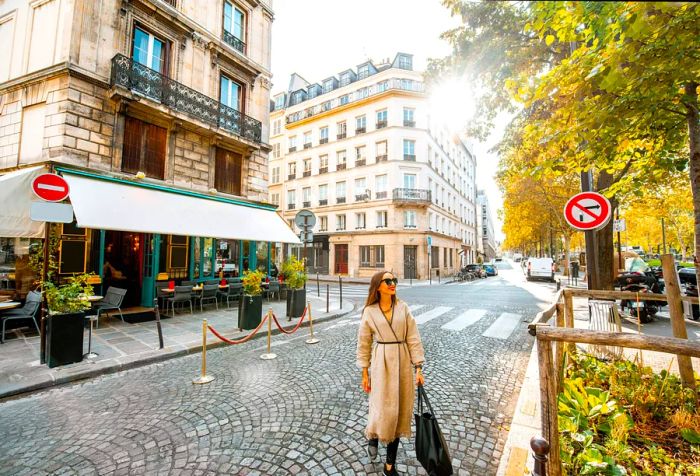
(431, 449)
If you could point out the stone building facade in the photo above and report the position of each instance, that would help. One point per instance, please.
(391, 187)
(167, 95)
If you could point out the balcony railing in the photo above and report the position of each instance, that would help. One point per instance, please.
(360, 130)
(323, 202)
(323, 140)
(147, 82)
(412, 195)
(382, 158)
(381, 124)
(291, 176)
(234, 42)
(292, 149)
(323, 170)
(307, 145)
(409, 123)
(409, 157)
(306, 204)
(340, 200)
(307, 173)
(341, 167)
(360, 162)
(341, 136)
(380, 195)
(291, 206)
(361, 196)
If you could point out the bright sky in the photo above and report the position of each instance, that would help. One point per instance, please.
(320, 38)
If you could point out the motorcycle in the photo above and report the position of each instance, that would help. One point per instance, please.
(643, 309)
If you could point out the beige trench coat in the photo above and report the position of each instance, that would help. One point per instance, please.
(392, 380)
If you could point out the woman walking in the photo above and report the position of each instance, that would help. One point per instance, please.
(388, 323)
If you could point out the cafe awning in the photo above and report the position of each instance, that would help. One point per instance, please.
(113, 204)
(16, 197)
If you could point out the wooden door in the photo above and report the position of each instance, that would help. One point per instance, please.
(341, 259)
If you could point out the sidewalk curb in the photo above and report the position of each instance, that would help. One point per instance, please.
(119, 364)
(526, 423)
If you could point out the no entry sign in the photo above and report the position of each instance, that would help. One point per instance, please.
(50, 187)
(587, 211)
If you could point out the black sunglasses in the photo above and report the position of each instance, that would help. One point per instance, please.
(390, 281)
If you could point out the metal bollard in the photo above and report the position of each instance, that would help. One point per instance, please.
(340, 280)
(312, 339)
(318, 286)
(158, 326)
(327, 298)
(558, 284)
(269, 355)
(204, 378)
(540, 447)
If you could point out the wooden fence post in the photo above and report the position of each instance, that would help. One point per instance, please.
(559, 348)
(548, 403)
(675, 308)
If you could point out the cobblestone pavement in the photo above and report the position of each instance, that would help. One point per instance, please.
(302, 413)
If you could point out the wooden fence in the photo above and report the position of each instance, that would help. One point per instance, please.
(554, 330)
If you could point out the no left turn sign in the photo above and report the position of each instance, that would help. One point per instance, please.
(587, 211)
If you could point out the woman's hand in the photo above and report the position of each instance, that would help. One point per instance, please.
(366, 382)
(420, 380)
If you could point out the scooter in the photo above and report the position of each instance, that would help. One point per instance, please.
(644, 310)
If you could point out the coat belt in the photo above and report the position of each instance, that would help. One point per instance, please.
(391, 342)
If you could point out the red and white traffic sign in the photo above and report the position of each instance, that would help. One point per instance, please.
(587, 211)
(50, 187)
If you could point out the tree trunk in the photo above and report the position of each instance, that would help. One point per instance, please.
(604, 243)
(691, 104)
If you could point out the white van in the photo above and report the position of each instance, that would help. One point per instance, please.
(540, 268)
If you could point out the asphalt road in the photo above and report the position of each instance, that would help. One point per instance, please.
(302, 413)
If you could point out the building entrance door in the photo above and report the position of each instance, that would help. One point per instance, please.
(123, 265)
(341, 259)
(410, 254)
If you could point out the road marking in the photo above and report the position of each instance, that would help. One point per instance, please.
(503, 327)
(432, 314)
(465, 319)
(415, 307)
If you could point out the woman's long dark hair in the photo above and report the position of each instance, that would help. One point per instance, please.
(374, 283)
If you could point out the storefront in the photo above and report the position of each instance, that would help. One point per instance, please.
(133, 234)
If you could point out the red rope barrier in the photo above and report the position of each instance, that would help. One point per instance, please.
(240, 341)
(295, 327)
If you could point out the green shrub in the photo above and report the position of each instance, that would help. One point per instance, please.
(252, 282)
(70, 297)
(294, 274)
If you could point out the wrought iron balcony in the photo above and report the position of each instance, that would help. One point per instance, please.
(323, 170)
(380, 195)
(407, 123)
(340, 167)
(147, 82)
(360, 162)
(292, 149)
(409, 157)
(307, 173)
(291, 206)
(411, 196)
(234, 42)
(323, 202)
(323, 140)
(360, 130)
(291, 176)
(381, 124)
(307, 145)
(306, 204)
(340, 200)
(341, 136)
(382, 158)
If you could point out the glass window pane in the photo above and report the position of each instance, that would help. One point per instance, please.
(158, 56)
(228, 17)
(238, 24)
(141, 47)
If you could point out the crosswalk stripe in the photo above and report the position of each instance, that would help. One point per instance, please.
(432, 314)
(415, 307)
(465, 319)
(503, 327)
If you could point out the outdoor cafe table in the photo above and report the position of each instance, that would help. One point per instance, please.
(194, 288)
(4, 306)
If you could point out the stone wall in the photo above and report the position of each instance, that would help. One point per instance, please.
(192, 160)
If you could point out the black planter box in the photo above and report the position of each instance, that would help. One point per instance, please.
(64, 338)
(251, 315)
(296, 302)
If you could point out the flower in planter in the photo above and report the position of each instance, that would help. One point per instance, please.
(70, 297)
(252, 281)
(294, 273)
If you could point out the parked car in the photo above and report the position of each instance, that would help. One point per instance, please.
(517, 257)
(477, 269)
(687, 276)
(540, 268)
(491, 269)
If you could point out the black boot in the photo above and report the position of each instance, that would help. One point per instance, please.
(391, 472)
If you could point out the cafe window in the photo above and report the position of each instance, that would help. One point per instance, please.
(229, 171)
(17, 274)
(177, 254)
(144, 148)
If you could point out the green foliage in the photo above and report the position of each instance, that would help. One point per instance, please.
(252, 282)
(619, 418)
(294, 274)
(36, 254)
(70, 297)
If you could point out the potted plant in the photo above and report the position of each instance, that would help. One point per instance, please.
(252, 300)
(67, 304)
(295, 278)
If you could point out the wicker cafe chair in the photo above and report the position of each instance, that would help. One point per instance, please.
(182, 294)
(112, 301)
(28, 311)
(209, 294)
